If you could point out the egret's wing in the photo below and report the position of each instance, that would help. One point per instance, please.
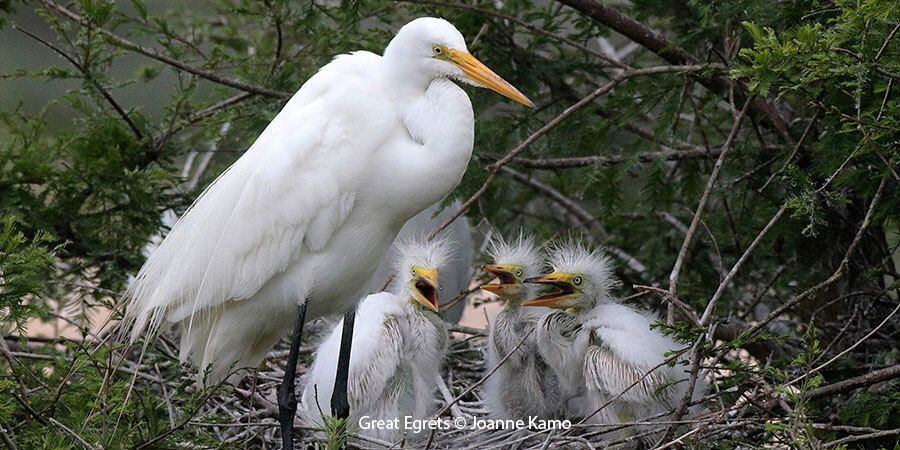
(283, 198)
(607, 372)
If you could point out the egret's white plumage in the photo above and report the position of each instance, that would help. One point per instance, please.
(523, 385)
(306, 214)
(398, 347)
(599, 347)
(457, 274)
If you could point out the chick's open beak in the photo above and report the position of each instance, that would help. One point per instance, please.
(506, 281)
(563, 297)
(425, 288)
(479, 73)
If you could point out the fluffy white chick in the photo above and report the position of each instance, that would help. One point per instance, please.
(398, 347)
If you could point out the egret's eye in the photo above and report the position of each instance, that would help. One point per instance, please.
(437, 50)
(576, 280)
(518, 272)
(414, 272)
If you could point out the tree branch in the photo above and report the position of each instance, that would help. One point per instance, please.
(152, 53)
(656, 43)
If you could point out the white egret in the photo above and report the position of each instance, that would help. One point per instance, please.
(397, 350)
(301, 219)
(456, 275)
(603, 347)
(523, 385)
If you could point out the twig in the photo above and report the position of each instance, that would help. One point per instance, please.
(527, 25)
(74, 435)
(863, 437)
(151, 53)
(582, 214)
(673, 54)
(87, 75)
(704, 198)
(486, 375)
(445, 392)
(868, 379)
(7, 440)
(585, 161)
(838, 273)
(707, 313)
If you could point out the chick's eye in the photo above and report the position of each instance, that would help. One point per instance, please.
(437, 49)
(414, 272)
(519, 272)
(577, 280)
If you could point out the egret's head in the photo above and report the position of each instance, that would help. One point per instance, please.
(513, 262)
(581, 279)
(437, 49)
(417, 270)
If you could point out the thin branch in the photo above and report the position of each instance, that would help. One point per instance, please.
(704, 198)
(576, 162)
(673, 54)
(863, 437)
(527, 25)
(878, 376)
(493, 169)
(73, 434)
(580, 213)
(152, 53)
(87, 75)
(838, 273)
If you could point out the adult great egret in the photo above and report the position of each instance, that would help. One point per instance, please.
(299, 222)
(397, 350)
(523, 385)
(601, 348)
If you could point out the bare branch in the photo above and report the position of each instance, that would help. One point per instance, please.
(151, 53)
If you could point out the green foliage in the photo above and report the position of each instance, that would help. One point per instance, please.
(26, 266)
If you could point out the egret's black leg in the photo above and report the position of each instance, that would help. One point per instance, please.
(340, 407)
(287, 400)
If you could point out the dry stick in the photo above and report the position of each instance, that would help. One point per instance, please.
(152, 53)
(87, 75)
(7, 440)
(576, 210)
(494, 168)
(490, 12)
(585, 161)
(862, 437)
(713, 177)
(448, 397)
(73, 434)
(707, 314)
(658, 44)
(793, 153)
(870, 378)
(487, 375)
(480, 381)
(211, 111)
(838, 273)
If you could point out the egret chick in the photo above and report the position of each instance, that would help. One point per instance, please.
(456, 274)
(522, 386)
(398, 347)
(602, 347)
